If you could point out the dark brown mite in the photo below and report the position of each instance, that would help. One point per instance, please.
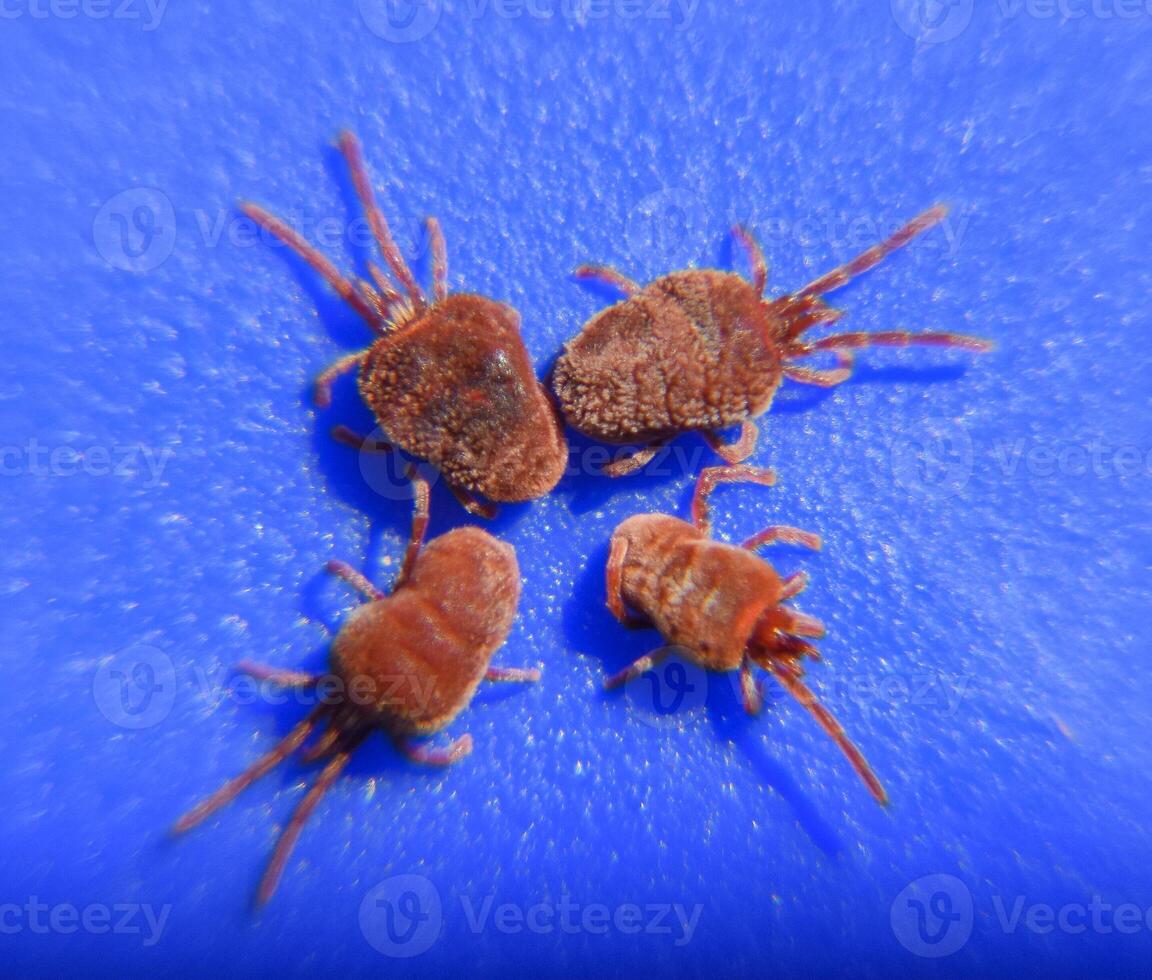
(407, 663)
(449, 381)
(702, 350)
(721, 604)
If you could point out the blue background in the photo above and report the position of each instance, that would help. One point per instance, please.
(973, 543)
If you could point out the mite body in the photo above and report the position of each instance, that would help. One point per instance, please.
(721, 604)
(406, 663)
(450, 380)
(703, 350)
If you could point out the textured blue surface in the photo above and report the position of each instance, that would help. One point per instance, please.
(985, 574)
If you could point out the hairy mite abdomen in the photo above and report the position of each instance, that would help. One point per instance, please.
(699, 593)
(691, 351)
(456, 387)
(421, 652)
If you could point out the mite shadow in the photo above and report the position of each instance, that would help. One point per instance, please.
(591, 629)
(587, 489)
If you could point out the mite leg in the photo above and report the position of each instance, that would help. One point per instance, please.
(755, 257)
(421, 495)
(713, 475)
(873, 256)
(789, 677)
(322, 386)
(793, 585)
(428, 756)
(801, 624)
(519, 675)
(637, 460)
(395, 261)
(896, 338)
(645, 663)
(281, 678)
(266, 763)
(327, 271)
(803, 314)
(473, 504)
(784, 535)
(439, 260)
(738, 451)
(819, 378)
(608, 276)
(324, 744)
(750, 693)
(614, 581)
(342, 434)
(386, 290)
(380, 305)
(342, 570)
(291, 832)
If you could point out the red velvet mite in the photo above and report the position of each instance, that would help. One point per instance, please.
(723, 605)
(449, 380)
(702, 350)
(407, 663)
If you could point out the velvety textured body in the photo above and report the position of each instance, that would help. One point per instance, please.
(456, 387)
(424, 650)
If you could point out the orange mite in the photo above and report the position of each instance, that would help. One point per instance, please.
(407, 663)
(449, 381)
(721, 603)
(702, 350)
